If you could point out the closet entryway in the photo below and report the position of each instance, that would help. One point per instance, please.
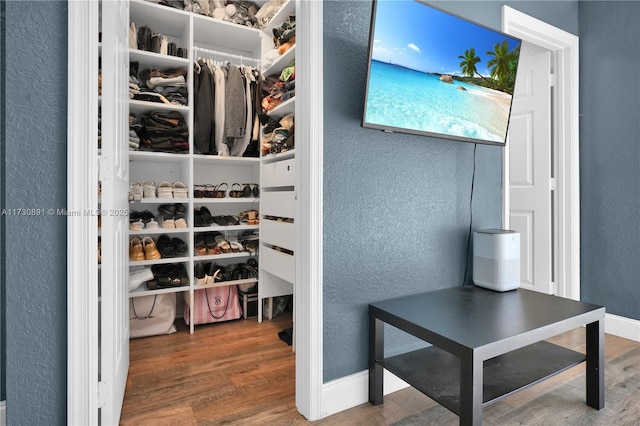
(86, 387)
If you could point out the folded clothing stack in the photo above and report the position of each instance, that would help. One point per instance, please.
(163, 131)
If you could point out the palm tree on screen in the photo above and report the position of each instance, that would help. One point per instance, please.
(502, 65)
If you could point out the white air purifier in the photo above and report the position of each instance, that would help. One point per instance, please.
(496, 259)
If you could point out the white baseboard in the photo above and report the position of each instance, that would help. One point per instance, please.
(3, 413)
(350, 391)
(622, 327)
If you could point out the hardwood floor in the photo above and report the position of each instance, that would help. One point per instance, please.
(240, 372)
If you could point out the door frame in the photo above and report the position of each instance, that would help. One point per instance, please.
(82, 172)
(565, 48)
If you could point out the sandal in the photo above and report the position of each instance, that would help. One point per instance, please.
(219, 193)
(179, 190)
(165, 190)
(222, 244)
(209, 191)
(136, 191)
(235, 193)
(149, 190)
(234, 244)
(198, 191)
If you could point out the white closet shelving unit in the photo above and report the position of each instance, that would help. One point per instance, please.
(206, 37)
(278, 204)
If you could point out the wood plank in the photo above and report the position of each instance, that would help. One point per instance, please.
(240, 372)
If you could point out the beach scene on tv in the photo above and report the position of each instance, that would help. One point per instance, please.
(434, 72)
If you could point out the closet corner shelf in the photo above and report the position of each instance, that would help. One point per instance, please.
(270, 158)
(157, 156)
(229, 160)
(279, 17)
(241, 39)
(281, 63)
(172, 21)
(156, 60)
(143, 291)
(162, 261)
(287, 107)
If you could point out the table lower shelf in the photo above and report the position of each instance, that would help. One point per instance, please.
(436, 373)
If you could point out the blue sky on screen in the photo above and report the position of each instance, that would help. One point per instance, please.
(423, 38)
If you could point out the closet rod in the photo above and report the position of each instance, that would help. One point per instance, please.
(226, 55)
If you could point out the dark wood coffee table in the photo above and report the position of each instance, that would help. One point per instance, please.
(486, 345)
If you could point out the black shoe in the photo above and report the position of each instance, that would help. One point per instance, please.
(166, 246)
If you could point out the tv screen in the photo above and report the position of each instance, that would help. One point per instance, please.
(433, 73)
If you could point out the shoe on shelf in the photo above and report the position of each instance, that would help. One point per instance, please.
(179, 190)
(213, 273)
(149, 190)
(234, 244)
(139, 276)
(219, 192)
(150, 221)
(136, 191)
(235, 193)
(165, 246)
(201, 277)
(135, 221)
(136, 252)
(150, 249)
(180, 248)
(164, 190)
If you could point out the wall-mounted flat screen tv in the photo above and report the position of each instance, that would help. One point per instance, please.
(434, 73)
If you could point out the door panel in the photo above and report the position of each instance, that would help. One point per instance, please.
(530, 170)
(114, 173)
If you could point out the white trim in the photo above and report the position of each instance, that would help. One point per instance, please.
(353, 390)
(3, 413)
(622, 327)
(309, 185)
(82, 230)
(565, 46)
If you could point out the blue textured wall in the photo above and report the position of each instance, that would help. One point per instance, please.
(35, 166)
(610, 155)
(396, 207)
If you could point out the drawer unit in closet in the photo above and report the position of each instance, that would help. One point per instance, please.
(278, 263)
(279, 173)
(281, 234)
(278, 204)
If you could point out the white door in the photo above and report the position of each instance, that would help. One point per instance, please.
(529, 172)
(114, 173)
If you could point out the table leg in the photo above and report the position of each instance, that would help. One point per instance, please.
(595, 364)
(376, 351)
(471, 390)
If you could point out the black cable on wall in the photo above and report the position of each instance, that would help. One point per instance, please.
(473, 179)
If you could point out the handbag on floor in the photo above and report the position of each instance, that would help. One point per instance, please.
(214, 305)
(152, 315)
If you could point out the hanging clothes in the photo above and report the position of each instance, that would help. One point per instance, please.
(204, 123)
